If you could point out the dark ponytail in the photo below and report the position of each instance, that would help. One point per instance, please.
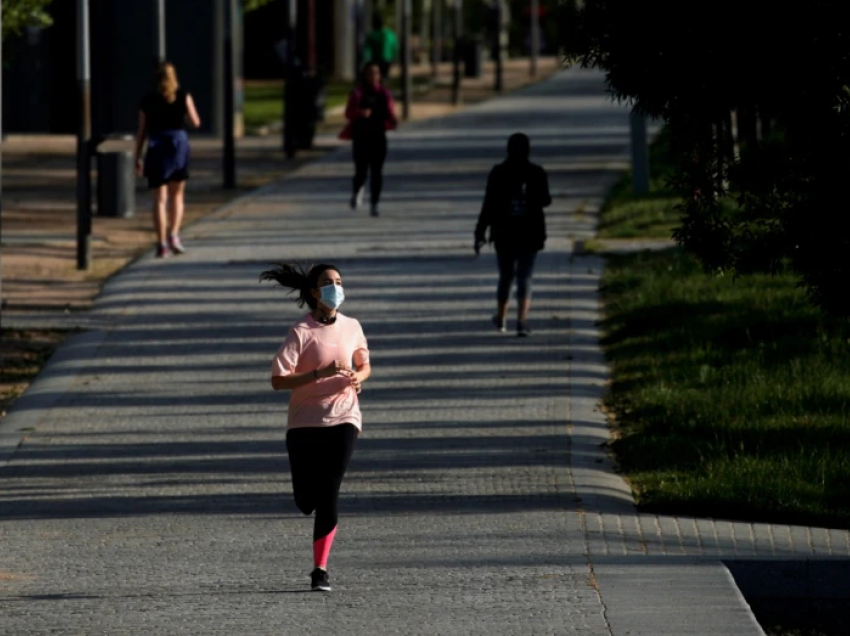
(298, 277)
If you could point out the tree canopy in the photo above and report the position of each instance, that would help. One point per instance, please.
(251, 5)
(694, 64)
(20, 14)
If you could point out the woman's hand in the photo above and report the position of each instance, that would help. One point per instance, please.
(338, 367)
(356, 382)
(366, 113)
(140, 168)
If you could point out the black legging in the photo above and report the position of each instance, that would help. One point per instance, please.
(370, 152)
(519, 263)
(318, 457)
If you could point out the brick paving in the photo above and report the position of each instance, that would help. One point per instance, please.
(152, 496)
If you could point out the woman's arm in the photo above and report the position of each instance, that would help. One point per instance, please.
(292, 381)
(296, 380)
(485, 216)
(351, 110)
(545, 196)
(391, 113)
(360, 376)
(192, 112)
(141, 133)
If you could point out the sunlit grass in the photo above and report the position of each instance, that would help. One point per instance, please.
(731, 395)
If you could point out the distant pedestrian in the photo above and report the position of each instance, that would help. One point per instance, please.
(370, 113)
(324, 362)
(381, 46)
(517, 192)
(164, 114)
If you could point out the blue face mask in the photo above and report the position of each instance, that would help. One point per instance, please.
(332, 296)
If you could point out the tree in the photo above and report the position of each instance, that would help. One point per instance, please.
(20, 14)
(693, 64)
(251, 5)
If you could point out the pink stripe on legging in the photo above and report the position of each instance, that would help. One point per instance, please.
(322, 548)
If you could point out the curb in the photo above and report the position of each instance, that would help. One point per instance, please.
(46, 389)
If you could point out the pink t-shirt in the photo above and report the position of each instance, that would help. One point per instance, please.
(311, 345)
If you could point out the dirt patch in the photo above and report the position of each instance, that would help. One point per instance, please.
(22, 356)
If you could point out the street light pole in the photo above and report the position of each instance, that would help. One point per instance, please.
(1, 144)
(458, 36)
(289, 74)
(229, 158)
(535, 36)
(84, 221)
(159, 32)
(358, 9)
(499, 46)
(437, 37)
(312, 56)
(405, 58)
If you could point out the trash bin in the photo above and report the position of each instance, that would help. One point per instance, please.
(312, 108)
(116, 178)
(472, 59)
(320, 96)
(305, 105)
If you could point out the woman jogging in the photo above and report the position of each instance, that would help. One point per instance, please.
(315, 363)
(163, 116)
(371, 113)
(517, 192)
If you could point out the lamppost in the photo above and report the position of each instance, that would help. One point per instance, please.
(229, 154)
(535, 36)
(159, 32)
(458, 36)
(405, 58)
(84, 221)
(437, 37)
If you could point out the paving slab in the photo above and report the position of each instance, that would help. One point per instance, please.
(153, 495)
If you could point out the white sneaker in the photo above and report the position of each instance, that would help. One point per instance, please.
(357, 199)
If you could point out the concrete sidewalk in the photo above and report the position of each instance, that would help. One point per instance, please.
(150, 492)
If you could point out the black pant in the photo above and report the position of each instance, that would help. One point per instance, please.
(318, 458)
(370, 152)
(519, 263)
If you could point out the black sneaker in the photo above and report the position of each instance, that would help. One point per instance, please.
(319, 580)
(499, 324)
(522, 330)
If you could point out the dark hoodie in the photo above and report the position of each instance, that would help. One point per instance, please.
(517, 192)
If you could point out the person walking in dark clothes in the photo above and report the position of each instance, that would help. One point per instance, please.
(371, 113)
(324, 361)
(517, 192)
(164, 114)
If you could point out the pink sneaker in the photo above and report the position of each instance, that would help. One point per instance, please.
(177, 245)
(162, 251)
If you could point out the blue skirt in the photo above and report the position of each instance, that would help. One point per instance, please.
(167, 158)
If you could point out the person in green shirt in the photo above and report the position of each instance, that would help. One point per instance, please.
(381, 47)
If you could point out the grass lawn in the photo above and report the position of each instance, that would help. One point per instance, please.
(652, 215)
(264, 100)
(731, 396)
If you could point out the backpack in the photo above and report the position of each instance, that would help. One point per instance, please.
(520, 223)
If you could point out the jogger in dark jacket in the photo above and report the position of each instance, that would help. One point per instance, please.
(371, 113)
(517, 192)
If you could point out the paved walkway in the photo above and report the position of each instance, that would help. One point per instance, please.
(151, 493)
